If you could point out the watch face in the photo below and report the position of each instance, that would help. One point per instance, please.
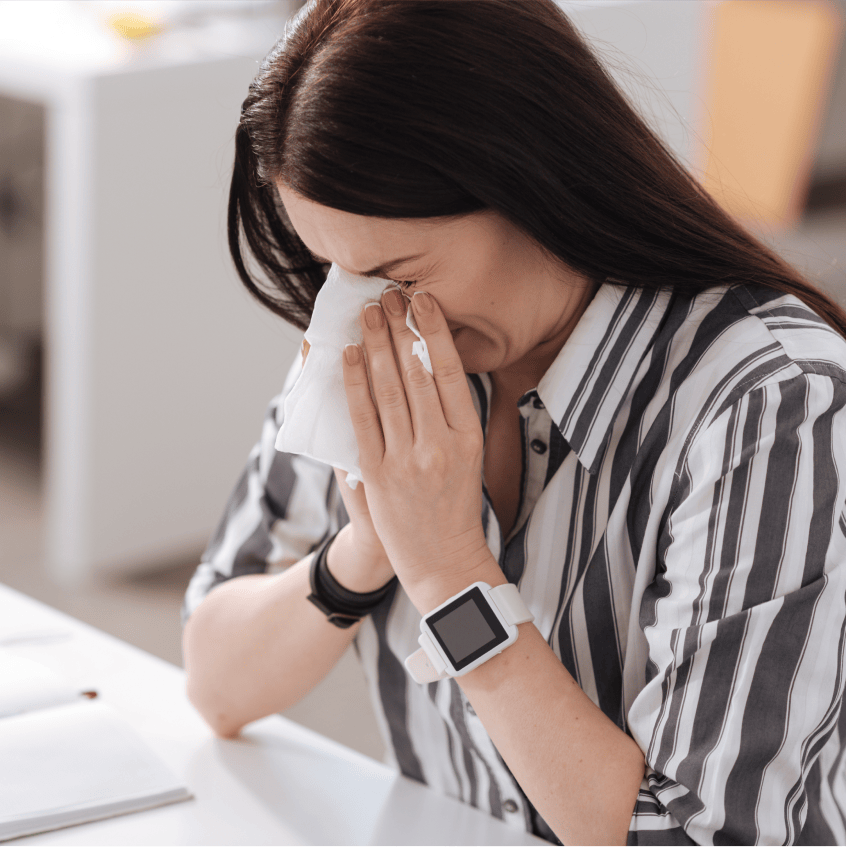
(467, 628)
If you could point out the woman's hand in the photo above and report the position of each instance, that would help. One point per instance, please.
(421, 453)
(357, 558)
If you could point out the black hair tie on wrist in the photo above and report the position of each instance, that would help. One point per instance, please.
(341, 606)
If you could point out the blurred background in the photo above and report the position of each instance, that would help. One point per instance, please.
(135, 370)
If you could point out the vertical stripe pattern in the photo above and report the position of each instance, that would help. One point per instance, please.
(681, 541)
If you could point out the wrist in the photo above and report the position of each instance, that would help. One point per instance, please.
(430, 591)
(467, 630)
(356, 566)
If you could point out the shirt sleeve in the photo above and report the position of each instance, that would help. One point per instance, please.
(745, 623)
(282, 506)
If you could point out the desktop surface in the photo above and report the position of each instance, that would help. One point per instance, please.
(278, 783)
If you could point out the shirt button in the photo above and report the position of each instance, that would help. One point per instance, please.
(510, 806)
(538, 404)
(538, 446)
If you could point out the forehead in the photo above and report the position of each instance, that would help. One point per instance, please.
(334, 234)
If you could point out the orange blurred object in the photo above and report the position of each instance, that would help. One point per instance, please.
(767, 83)
(134, 26)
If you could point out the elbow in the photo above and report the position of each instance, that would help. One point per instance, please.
(206, 698)
(209, 708)
(226, 732)
(219, 722)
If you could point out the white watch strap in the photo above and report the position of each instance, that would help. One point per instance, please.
(510, 604)
(424, 667)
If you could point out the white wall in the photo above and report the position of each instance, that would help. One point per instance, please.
(655, 50)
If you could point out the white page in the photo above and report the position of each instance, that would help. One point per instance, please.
(75, 763)
(26, 685)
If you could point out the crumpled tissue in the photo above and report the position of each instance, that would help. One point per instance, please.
(316, 419)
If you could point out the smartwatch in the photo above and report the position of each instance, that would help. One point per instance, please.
(467, 630)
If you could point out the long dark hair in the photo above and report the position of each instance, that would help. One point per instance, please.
(432, 108)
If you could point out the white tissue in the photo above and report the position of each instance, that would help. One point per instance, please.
(316, 418)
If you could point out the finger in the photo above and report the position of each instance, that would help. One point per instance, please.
(427, 415)
(365, 419)
(448, 370)
(354, 498)
(349, 495)
(388, 388)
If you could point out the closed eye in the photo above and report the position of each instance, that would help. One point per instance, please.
(322, 261)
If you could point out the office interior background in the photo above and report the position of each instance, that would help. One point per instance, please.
(134, 370)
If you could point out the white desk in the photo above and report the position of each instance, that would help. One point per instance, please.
(278, 784)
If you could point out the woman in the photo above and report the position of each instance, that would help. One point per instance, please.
(636, 416)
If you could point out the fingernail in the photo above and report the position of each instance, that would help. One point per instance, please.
(394, 302)
(352, 352)
(373, 316)
(422, 302)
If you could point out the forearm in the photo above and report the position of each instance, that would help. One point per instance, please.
(577, 767)
(256, 646)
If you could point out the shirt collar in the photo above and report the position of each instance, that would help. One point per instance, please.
(585, 387)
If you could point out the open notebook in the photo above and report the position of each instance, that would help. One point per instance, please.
(65, 759)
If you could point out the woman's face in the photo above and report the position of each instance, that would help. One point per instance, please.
(509, 308)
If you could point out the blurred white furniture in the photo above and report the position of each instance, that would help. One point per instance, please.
(159, 366)
(279, 783)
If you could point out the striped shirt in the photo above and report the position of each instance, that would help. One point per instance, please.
(681, 541)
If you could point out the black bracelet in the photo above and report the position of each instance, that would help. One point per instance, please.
(341, 606)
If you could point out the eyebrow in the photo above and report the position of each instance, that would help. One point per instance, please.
(380, 271)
